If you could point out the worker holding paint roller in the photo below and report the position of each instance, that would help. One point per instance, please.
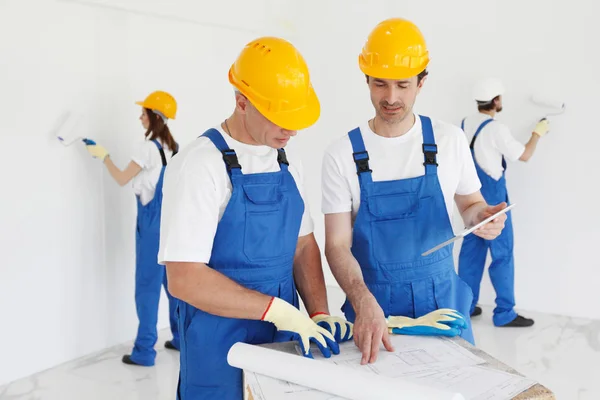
(146, 171)
(388, 193)
(491, 144)
(237, 236)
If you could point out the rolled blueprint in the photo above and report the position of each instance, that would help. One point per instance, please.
(339, 380)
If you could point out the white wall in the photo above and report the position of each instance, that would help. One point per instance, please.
(533, 46)
(67, 229)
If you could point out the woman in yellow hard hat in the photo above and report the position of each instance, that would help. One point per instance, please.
(146, 170)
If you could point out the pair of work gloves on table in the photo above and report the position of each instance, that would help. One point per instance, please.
(327, 331)
(442, 322)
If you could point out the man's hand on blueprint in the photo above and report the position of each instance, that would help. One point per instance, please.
(442, 322)
(338, 327)
(370, 328)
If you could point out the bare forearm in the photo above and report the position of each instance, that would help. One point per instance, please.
(471, 213)
(530, 147)
(122, 177)
(308, 274)
(114, 171)
(347, 273)
(210, 291)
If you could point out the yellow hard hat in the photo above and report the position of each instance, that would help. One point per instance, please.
(162, 102)
(274, 77)
(395, 49)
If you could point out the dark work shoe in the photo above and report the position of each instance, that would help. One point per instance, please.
(169, 345)
(519, 322)
(127, 360)
(476, 311)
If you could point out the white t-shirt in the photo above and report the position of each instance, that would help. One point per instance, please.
(197, 189)
(148, 158)
(493, 142)
(397, 158)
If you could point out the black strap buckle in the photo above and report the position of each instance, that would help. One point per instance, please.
(282, 157)
(230, 159)
(430, 151)
(361, 159)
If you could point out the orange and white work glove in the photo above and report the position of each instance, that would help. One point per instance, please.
(542, 127)
(340, 328)
(95, 150)
(288, 318)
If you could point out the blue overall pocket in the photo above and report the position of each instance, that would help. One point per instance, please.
(394, 225)
(264, 237)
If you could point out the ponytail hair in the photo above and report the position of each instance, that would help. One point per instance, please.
(157, 129)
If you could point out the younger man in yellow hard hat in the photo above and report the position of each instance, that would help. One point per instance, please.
(389, 187)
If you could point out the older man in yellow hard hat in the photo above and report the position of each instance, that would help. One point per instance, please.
(236, 235)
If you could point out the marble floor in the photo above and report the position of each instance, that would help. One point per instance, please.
(562, 353)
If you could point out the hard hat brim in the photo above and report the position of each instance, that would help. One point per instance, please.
(391, 73)
(294, 120)
(143, 104)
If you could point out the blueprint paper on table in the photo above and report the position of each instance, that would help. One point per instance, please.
(429, 362)
(412, 355)
(477, 382)
(338, 380)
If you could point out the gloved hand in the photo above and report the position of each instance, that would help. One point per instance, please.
(95, 150)
(338, 327)
(542, 127)
(442, 322)
(288, 318)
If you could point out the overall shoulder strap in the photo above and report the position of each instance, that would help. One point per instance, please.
(483, 125)
(161, 151)
(229, 156)
(282, 159)
(429, 146)
(360, 156)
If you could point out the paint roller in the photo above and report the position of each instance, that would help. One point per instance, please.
(557, 106)
(66, 129)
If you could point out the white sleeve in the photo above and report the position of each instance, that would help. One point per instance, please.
(142, 156)
(336, 193)
(190, 213)
(468, 181)
(506, 144)
(307, 226)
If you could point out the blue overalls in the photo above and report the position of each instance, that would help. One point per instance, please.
(396, 222)
(471, 261)
(254, 246)
(149, 275)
